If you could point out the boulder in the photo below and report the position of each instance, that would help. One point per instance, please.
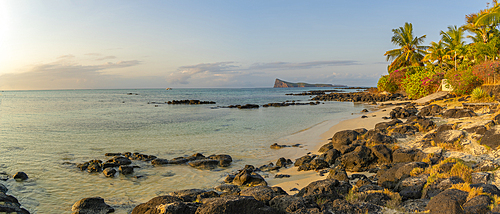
(490, 138)
(430, 110)
(326, 147)
(383, 154)
(303, 160)
(227, 188)
(487, 188)
(341, 206)
(338, 173)
(249, 178)
(187, 195)
(94, 205)
(386, 125)
(126, 170)
(315, 164)
(449, 201)
(109, 172)
(151, 206)
(94, 166)
(290, 204)
(262, 193)
(208, 194)
(449, 136)
(119, 160)
(234, 204)
(344, 137)
(374, 137)
(10, 204)
(458, 113)
(180, 160)
(159, 161)
(414, 205)
(357, 160)
(282, 162)
(480, 177)
(331, 156)
(204, 164)
(332, 189)
(224, 160)
(407, 155)
(21, 176)
(478, 205)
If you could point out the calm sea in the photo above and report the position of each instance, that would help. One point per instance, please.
(44, 133)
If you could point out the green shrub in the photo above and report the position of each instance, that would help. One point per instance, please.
(478, 93)
(422, 81)
(488, 71)
(385, 84)
(463, 81)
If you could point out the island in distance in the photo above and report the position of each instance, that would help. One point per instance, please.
(282, 84)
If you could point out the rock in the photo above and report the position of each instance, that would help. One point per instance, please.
(357, 160)
(448, 201)
(21, 176)
(480, 177)
(179, 160)
(248, 178)
(303, 160)
(486, 165)
(326, 147)
(109, 172)
(341, 206)
(404, 170)
(94, 166)
(159, 161)
(403, 113)
(281, 176)
(94, 205)
(364, 110)
(487, 188)
(186, 195)
(338, 173)
(204, 164)
(383, 154)
(491, 137)
(386, 125)
(478, 205)
(3, 189)
(126, 170)
(331, 156)
(315, 164)
(10, 204)
(332, 189)
(120, 160)
(374, 137)
(344, 137)
(230, 188)
(439, 186)
(208, 194)
(261, 193)
(449, 136)
(282, 162)
(407, 155)
(458, 113)
(369, 187)
(152, 205)
(415, 205)
(276, 146)
(290, 204)
(234, 204)
(430, 110)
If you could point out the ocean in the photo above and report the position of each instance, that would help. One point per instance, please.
(45, 133)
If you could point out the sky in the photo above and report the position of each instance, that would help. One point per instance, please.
(125, 44)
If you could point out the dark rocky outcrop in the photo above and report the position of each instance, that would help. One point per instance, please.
(448, 201)
(248, 178)
(189, 102)
(490, 138)
(204, 164)
(458, 113)
(234, 204)
(358, 160)
(10, 204)
(94, 205)
(21, 176)
(263, 193)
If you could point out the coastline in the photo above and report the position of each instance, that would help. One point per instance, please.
(322, 131)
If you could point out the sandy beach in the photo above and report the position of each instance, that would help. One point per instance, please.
(309, 143)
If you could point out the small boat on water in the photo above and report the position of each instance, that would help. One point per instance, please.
(168, 89)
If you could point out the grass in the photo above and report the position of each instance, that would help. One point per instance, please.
(479, 95)
(355, 197)
(473, 191)
(459, 169)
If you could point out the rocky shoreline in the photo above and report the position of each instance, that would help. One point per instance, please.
(435, 158)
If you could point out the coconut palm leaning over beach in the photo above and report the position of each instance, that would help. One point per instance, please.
(411, 51)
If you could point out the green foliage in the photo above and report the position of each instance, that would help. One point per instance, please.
(421, 81)
(411, 51)
(463, 81)
(478, 94)
(385, 84)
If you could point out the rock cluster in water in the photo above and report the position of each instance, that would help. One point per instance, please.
(190, 102)
(359, 97)
(9, 203)
(122, 162)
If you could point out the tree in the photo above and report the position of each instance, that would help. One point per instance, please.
(453, 41)
(411, 51)
(490, 16)
(436, 52)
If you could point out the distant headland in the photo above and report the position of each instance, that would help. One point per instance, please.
(282, 84)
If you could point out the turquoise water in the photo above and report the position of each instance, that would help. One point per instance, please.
(42, 131)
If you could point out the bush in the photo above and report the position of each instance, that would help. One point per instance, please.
(478, 94)
(398, 76)
(385, 84)
(488, 71)
(422, 81)
(463, 81)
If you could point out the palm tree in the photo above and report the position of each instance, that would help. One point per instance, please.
(436, 52)
(410, 53)
(453, 41)
(490, 16)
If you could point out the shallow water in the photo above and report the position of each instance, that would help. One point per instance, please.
(44, 133)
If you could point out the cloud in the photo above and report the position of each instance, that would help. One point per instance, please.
(92, 54)
(106, 57)
(217, 70)
(302, 65)
(63, 74)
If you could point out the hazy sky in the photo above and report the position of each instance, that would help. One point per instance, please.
(69, 44)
